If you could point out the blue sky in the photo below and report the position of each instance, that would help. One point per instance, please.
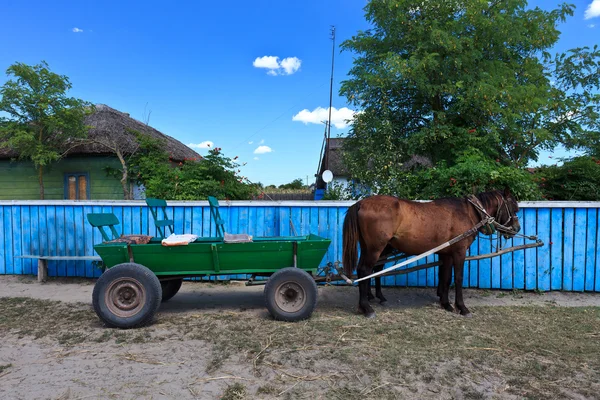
(194, 66)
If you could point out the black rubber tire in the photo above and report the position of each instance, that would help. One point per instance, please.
(127, 275)
(299, 279)
(170, 288)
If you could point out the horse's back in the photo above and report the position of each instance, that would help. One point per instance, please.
(412, 226)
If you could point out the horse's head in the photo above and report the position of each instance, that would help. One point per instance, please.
(506, 213)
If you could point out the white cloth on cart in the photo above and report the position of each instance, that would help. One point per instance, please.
(179, 240)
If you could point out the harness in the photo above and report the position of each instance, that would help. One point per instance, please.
(490, 227)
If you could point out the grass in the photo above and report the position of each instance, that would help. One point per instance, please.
(237, 391)
(4, 367)
(515, 293)
(527, 351)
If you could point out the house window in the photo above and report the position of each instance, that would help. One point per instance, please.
(77, 186)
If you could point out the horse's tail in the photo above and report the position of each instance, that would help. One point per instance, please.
(351, 234)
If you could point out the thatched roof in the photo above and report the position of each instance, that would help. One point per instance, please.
(334, 162)
(109, 125)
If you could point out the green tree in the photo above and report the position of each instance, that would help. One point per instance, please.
(296, 184)
(467, 84)
(577, 178)
(42, 120)
(192, 179)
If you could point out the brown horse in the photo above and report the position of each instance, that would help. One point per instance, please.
(383, 224)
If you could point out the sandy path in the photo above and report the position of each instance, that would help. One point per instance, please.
(236, 296)
(172, 368)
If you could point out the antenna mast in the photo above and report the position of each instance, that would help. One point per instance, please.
(330, 97)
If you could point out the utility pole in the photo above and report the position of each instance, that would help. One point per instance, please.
(330, 97)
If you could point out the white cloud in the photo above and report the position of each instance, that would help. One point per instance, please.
(269, 62)
(250, 142)
(256, 158)
(339, 118)
(262, 150)
(591, 26)
(287, 66)
(77, 30)
(593, 10)
(261, 141)
(290, 65)
(204, 145)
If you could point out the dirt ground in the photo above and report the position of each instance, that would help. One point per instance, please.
(217, 341)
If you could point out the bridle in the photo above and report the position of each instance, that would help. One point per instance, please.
(491, 227)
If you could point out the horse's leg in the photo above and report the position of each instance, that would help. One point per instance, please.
(363, 288)
(442, 276)
(365, 267)
(378, 268)
(459, 264)
(369, 294)
(445, 275)
(440, 279)
(378, 294)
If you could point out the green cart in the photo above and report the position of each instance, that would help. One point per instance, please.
(141, 272)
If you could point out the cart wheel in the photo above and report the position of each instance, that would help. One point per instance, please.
(170, 288)
(127, 296)
(291, 294)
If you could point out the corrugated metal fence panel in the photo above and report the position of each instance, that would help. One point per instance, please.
(569, 259)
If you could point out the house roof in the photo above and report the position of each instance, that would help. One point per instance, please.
(332, 160)
(335, 162)
(110, 125)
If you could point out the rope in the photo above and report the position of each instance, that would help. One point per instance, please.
(458, 238)
(486, 220)
(504, 229)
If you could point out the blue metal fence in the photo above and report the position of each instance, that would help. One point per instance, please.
(569, 259)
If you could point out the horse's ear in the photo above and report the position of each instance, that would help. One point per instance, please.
(507, 192)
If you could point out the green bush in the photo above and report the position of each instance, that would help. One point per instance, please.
(470, 174)
(577, 179)
(192, 179)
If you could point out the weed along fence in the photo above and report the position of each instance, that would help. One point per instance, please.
(569, 259)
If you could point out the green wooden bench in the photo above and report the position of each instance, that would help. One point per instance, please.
(155, 206)
(216, 215)
(109, 220)
(158, 208)
(220, 225)
(103, 220)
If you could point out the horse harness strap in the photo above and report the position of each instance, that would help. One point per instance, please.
(488, 227)
(485, 221)
(491, 227)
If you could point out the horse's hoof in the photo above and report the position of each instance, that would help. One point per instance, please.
(370, 315)
(467, 315)
(383, 302)
(447, 307)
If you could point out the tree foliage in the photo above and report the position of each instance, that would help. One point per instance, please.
(576, 179)
(191, 179)
(470, 86)
(41, 119)
(296, 184)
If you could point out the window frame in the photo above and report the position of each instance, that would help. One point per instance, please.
(76, 175)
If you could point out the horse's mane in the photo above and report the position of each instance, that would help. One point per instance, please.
(489, 199)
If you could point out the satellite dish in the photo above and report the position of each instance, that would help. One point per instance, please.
(327, 176)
